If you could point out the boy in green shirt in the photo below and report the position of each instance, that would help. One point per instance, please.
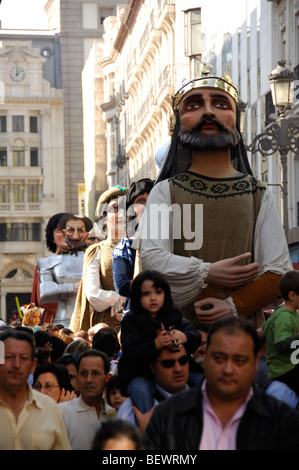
(281, 329)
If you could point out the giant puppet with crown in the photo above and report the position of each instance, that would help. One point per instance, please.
(243, 253)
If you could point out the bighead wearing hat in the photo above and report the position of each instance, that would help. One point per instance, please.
(142, 186)
(106, 196)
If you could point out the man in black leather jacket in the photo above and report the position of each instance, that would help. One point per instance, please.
(225, 411)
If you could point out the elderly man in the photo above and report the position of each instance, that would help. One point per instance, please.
(29, 419)
(221, 246)
(225, 411)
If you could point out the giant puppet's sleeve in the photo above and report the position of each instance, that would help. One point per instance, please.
(186, 276)
(99, 298)
(50, 289)
(272, 254)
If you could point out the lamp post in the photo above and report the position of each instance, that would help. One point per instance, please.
(282, 135)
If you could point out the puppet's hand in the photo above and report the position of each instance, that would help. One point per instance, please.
(219, 309)
(229, 273)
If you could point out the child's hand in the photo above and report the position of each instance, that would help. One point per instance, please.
(163, 339)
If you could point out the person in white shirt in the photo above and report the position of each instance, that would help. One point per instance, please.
(83, 415)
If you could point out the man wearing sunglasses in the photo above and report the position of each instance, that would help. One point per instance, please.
(225, 411)
(171, 373)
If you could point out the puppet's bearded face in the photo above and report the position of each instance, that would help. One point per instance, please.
(208, 120)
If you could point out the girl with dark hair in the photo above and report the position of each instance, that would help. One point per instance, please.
(117, 435)
(113, 393)
(153, 323)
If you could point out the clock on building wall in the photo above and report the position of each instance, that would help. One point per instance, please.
(16, 73)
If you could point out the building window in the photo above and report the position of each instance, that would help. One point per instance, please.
(248, 87)
(269, 108)
(11, 274)
(104, 13)
(283, 43)
(255, 155)
(18, 191)
(4, 192)
(296, 84)
(2, 123)
(18, 156)
(193, 44)
(227, 53)
(195, 66)
(258, 78)
(33, 124)
(14, 232)
(33, 192)
(18, 123)
(33, 156)
(3, 156)
(264, 169)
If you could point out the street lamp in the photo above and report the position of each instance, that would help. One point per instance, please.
(282, 135)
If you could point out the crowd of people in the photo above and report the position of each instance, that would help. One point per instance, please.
(136, 340)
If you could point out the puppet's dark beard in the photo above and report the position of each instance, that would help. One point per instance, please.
(196, 141)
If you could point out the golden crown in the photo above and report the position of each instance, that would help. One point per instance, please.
(206, 81)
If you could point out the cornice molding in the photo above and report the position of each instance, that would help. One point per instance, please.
(17, 100)
(128, 22)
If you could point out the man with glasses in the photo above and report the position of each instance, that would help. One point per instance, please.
(29, 420)
(226, 411)
(83, 415)
(171, 372)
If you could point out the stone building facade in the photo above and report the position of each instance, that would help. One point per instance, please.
(31, 152)
(153, 46)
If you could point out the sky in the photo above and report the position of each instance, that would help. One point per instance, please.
(30, 14)
(23, 14)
